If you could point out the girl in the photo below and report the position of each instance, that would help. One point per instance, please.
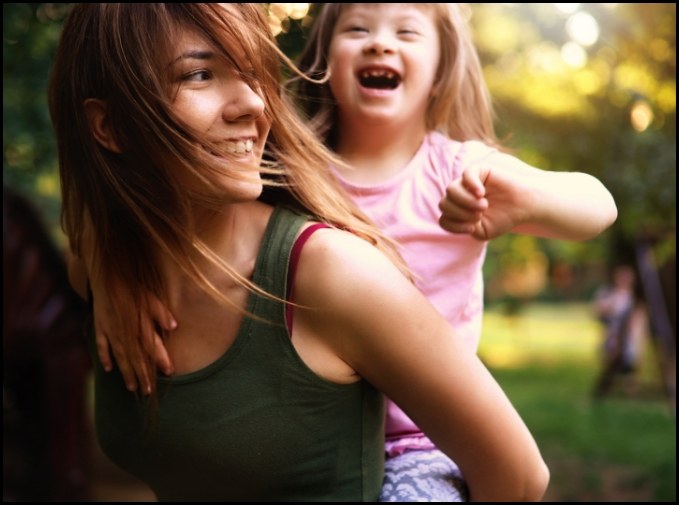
(404, 103)
(290, 326)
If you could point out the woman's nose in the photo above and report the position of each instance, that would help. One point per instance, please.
(244, 104)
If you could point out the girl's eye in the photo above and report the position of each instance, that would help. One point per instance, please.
(407, 31)
(357, 29)
(198, 76)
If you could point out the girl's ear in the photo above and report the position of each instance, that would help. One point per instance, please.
(97, 116)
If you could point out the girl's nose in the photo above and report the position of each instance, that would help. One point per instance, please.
(379, 44)
(244, 104)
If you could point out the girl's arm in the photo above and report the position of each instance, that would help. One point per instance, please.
(381, 326)
(503, 194)
(108, 333)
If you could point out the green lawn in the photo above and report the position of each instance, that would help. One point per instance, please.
(621, 448)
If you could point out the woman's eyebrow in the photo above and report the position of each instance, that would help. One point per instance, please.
(194, 55)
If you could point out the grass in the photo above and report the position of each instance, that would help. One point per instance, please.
(620, 448)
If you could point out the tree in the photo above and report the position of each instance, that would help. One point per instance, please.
(30, 34)
(590, 89)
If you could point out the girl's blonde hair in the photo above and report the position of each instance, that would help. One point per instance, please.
(123, 211)
(460, 107)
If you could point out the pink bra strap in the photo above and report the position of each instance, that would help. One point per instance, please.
(292, 271)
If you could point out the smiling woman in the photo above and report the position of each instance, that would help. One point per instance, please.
(180, 172)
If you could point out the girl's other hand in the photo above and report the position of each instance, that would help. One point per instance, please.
(132, 364)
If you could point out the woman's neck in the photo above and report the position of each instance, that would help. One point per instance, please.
(233, 228)
(233, 234)
(209, 325)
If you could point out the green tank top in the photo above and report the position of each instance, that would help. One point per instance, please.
(255, 425)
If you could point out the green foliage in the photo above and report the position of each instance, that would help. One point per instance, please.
(620, 448)
(580, 118)
(30, 34)
(553, 116)
(634, 438)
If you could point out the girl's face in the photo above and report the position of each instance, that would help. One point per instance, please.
(383, 60)
(213, 99)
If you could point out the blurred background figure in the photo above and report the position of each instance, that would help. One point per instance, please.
(620, 308)
(46, 429)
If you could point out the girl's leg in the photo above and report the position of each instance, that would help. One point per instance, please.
(422, 476)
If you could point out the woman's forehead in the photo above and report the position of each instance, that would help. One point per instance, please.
(188, 39)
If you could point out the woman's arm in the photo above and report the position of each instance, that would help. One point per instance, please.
(382, 326)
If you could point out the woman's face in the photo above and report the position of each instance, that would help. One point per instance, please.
(213, 99)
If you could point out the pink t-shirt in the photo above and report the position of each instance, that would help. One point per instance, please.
(447, 266)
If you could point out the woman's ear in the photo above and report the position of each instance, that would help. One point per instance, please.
(97, 116)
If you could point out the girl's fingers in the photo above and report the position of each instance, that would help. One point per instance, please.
(465, 228)
(162, 358)
(124, 365)
(104, 351)
(166, 321)
(161, 314)
(472, 181)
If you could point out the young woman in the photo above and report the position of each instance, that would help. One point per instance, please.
(290, 325)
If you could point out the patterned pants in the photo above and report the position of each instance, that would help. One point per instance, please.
(422, 476)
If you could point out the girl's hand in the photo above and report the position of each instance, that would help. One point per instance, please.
(484, 203)
(132, 364)
(512, 196)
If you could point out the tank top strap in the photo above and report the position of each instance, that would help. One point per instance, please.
(292, 271)
(273, 261)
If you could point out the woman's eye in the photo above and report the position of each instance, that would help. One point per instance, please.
(198, 76)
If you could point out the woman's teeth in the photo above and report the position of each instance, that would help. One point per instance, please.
(239, 147)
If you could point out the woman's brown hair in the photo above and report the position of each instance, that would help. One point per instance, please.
(123, 210)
